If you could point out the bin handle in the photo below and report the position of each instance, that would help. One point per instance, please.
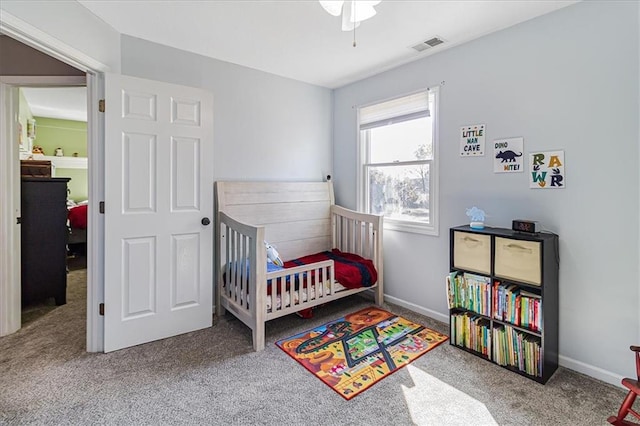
(518, 247)
(471, 240)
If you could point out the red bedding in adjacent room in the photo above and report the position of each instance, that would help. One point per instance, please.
(78, 217)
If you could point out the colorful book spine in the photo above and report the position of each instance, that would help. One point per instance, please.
(472, 332)
(517, 307)
(470, 292)
(516, 349)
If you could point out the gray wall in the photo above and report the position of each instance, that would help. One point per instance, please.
(265, 127)
(564, 81)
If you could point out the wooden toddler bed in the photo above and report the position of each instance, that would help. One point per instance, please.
(299, 219)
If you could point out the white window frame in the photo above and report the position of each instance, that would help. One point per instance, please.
(432, 228)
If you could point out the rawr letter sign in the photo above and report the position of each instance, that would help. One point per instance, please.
(508, 156)
(472, 140)
(547, 170)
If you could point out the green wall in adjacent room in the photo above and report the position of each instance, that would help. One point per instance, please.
(71, 136)
(78, 188)
(52, 133)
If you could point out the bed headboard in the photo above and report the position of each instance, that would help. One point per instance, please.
(296, 215)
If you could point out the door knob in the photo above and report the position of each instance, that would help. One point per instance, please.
(205, 221)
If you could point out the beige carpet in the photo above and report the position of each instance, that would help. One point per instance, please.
(213, 377)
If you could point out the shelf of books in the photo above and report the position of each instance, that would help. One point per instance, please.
(470, 293)
(516, 306)
(496, 311)
(517, 349)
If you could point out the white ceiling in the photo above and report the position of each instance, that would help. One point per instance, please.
(294, 39)
(69, 103)
(299, 40)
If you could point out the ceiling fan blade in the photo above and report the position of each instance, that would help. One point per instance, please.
(333, 7)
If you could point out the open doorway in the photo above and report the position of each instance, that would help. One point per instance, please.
(24, 65)
(52, 131)
(117, 188)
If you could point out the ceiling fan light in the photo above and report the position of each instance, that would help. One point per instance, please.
(353, 11)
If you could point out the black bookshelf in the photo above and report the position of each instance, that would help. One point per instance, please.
(528, 266)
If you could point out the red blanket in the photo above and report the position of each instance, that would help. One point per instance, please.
(78, 216)
(351, 270)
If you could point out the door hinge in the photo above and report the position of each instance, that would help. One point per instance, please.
(101, 309)
(18, 220)
(101, 207)
(101, 105)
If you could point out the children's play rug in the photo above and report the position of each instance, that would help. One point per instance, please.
(352, 353)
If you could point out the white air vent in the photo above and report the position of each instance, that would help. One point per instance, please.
(427, 44)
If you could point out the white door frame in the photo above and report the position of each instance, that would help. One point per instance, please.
(31, 36)
(9, 211)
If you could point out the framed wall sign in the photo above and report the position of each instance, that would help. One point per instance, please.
(508, 155)
(547, 170)
(472, 140)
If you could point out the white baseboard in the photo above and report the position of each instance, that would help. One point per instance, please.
(570, 363)
(419, 309)
(590, 370)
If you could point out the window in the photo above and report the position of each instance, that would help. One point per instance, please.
(398, 178)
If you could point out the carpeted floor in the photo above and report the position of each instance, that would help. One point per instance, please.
(213, 377)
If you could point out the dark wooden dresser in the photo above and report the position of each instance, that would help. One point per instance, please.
(44, 239)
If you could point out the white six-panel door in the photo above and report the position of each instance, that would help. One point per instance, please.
(158, 190)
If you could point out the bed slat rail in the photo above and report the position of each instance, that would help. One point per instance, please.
(360, 233)
(242, 269)
(299, 288)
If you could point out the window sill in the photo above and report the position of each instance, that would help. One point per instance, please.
(411, 227)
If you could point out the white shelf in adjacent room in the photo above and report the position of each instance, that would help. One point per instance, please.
(67, 162)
